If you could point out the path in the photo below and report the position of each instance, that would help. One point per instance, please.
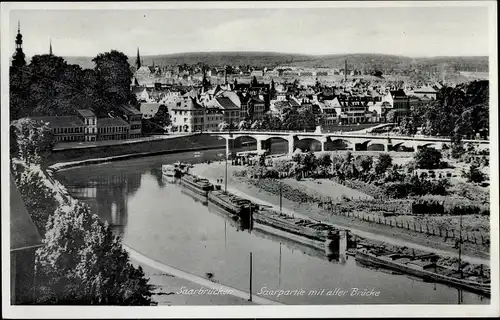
(194, 278)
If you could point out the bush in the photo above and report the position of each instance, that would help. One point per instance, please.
(397, 189)
(474, 174)
(384, 161)
(422, 206)
(459, 210)
(428, 158)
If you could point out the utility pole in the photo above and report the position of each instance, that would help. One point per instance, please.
(279, 270)
(250, 277)
(281, 197)
(460, 250)
(250, 218)
(225, 179)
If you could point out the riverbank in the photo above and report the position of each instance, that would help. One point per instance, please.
(128, 150)
(173, 286)
(391, 235)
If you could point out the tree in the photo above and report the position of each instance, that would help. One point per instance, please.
(223, 126)
(325, 161)
(243, 125)
(299, 120)
(162, 116)
(428, 158)
(462, 111)
(390, 116)
(83, 263)
(114, 78)
(384, 161)
(34, 140)
(38, 198)
(53, 86)
(254, 82)
(474, 174)
(365, 163)
(271, 122)
(309, 161)
(18, 92)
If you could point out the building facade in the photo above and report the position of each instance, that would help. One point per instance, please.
(134, 118)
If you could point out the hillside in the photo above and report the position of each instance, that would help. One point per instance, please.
(392, 63)
(255, 59)
(386, 63)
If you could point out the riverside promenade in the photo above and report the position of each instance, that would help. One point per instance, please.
(205, 283)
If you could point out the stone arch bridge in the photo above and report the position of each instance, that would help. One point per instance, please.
(357, 141)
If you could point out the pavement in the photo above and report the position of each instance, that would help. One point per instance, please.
(205, 283)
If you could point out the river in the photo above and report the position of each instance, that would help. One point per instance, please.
(164, 222)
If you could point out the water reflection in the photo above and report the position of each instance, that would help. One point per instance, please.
(107, 195)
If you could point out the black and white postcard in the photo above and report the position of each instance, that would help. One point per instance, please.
(281, 159)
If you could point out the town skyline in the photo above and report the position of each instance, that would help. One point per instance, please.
(313, 31)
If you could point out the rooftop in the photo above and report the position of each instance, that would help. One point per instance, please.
(85, 113)
(129, 110)
(185, 104)
(60, 121)
(111, 122)
(150, 108)
(226, 103)
(426, 89)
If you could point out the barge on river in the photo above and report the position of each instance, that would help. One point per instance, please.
(424, 268)
(332, 241)
(232, 204)
(196, 184)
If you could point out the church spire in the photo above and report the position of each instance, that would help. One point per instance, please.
(50, 46)
(138, 60)
(18, 57)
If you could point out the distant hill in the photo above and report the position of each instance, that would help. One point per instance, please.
(254, 59)
(393, 63)
(383, 62)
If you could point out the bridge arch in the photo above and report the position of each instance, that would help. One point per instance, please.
(404, 146)
(375, 146)
(339, 144)
(309, 144)
(242, 140)
(277, 144)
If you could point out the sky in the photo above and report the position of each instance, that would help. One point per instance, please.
(414, 32)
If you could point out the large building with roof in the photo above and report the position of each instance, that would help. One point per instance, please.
(85, 126)
(187, 115)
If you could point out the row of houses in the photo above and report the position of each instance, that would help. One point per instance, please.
(204, 110)
(84, 126)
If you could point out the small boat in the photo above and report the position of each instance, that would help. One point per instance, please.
(168, 170)
(423, 267)
(197, 154)
(181, 168)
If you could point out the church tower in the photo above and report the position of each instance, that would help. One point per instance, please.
(138, 60)
(18, 57)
